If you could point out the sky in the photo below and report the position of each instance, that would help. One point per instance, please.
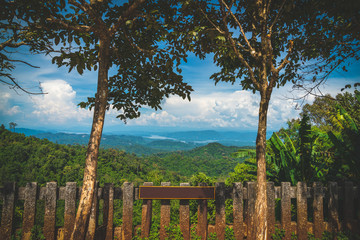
(222, 107)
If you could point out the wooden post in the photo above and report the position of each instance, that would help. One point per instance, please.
(270, 191)
(220, 218)
(184, 213)
(286, 209)
(334, 207)
(29, 210)
(128, 202)
(238, 206)
(318, 210)
(301, 202)
(109, 210)
(164, 215)
(93, 220)
(146, 215)
(50, 210)
(70, 209)
(8, 210)
(348, 205)
(202, 228)
(250, 210)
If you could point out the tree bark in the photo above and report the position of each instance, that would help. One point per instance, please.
(259, 224)
(87, 193)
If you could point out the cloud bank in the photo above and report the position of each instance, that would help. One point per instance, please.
(58, 104)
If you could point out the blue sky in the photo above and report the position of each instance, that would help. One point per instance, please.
(221, 107)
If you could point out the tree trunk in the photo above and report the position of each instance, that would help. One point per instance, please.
(259, 224)
(87, 192)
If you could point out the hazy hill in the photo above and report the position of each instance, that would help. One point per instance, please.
(27, 158)
(149, 143)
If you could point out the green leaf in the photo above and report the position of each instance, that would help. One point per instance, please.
(79, 69)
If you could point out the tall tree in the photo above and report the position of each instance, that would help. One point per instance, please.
(131, 40)
(263, 44)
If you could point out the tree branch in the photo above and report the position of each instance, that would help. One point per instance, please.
(211, 22)
(9, 43)
(252, 50)
(277, 16)
(125, 15)
(286, 59)
(82, 29)
(21, 61)
(14, 84)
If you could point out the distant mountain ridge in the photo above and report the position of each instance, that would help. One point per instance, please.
(149, 143)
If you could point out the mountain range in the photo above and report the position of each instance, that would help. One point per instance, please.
(145, 143)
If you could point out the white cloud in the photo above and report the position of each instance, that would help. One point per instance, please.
(58, 105)
(5, 107)
(237, 109)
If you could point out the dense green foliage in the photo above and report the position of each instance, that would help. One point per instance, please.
(213, 159)
(325, 151)
(24, 159)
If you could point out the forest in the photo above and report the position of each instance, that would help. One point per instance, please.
(322, 145)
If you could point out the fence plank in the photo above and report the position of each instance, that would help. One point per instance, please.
(8, 210)
(128, 202)
(250, 209)
(29, 209)
(93, 220)
(70, 209)
(286, 209)
(334, 207)
(318, 206)
(164, 214)
(270, 191)
(184, 213)
(50, 210)
(109, 210)
(301, 205)
(202, 228)
(348, 205)
(146, 215)
(238, 206)
(220, 218)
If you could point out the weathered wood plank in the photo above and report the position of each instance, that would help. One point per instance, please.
(238, 208)
(286, 209)
(70, 209)
(164, 214)
(109, 210)
(202, 227)
(8, 210)
(301, 202)
(184, 212)
(128, 204)
(29, 210)
(220, 217)
(250, 209)
(333, 207)
(318, 204)
(348, 205)
(146, 215)
(50, 210)
(174, 192)
(270, 191)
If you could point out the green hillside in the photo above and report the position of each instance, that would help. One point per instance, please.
(213, 159)
(24, 159)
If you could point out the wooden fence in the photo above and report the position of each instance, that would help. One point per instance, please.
(332, 208)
